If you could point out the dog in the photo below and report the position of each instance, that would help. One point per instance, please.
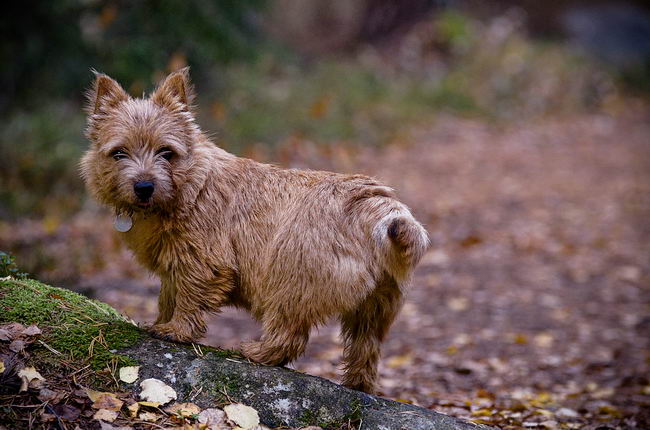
(292, 247)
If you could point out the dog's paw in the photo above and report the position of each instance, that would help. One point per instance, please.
(169, 332)
(256, 351)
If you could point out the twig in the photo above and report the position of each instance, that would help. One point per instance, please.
(49, 348)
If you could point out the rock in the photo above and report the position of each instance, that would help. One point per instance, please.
(207, 376)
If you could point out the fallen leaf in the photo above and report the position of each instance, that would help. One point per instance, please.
(94, 395)
(32, 330)
(105, 415)
(129, 374)
(106, 426)
(213, 418)
(2, 366)
(13, 330)
(108, 401)
(400, 361)
(458, 304)
(30, 377)
(154, 390)
(17, 345)
(566, 413)
(544, 340)
(520, 339)
(4, 335)
(133, 409)
(47, 395)
(66, 412)
(183, 409)
(149, 404)
(242, 415)
(149, 416)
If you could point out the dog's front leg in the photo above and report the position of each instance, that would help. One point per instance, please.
(166, 301)
(184, 302)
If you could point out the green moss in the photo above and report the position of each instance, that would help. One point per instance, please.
(72, 324)
(314, 418)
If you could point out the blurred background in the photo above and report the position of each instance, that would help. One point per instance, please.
(517, 130)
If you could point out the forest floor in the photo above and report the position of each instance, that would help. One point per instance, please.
(532, 307)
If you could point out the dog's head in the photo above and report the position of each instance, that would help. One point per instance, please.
(140, 151)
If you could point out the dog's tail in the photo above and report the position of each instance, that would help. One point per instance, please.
(402, 241)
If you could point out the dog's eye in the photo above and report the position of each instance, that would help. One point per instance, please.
(118, 154)
(166, 153)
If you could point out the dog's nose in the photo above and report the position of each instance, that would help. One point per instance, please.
(143, 189)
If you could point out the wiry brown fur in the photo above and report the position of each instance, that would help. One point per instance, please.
(292, 247)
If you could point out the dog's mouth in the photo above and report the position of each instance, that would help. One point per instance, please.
(144, 205)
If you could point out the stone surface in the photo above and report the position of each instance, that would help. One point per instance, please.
(282, 397)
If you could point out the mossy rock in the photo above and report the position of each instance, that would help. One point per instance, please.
(87, 330)
(72, 324)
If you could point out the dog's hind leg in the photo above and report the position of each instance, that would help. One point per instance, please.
(364, 329)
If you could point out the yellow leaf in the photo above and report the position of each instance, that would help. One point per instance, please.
(451, 350)
(482, 413)
(399, 361)
(183, 409)
(94, 395)
(149, 404)
(133, 409)
(2, 366)
(521, 339)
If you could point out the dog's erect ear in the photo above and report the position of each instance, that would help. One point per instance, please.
(176, 91)
(104, 93)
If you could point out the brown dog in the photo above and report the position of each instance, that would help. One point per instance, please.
(292, 247)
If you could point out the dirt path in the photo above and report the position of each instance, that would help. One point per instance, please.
(532, 308)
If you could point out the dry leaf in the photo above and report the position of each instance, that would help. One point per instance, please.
(105, 415)
(2, 366)
(149, 416)
(108, 401)
(106, 426)
(13, 330)
(183, 409)
(133, 409)
(31, 378)
(17, 345)
(400, 361)
(4, 335)
(94, 395)
(129, 374)
(154, 390)
(544, 340)
(47, 395)
(66, 412)
(149, 404)
(242, 415)
(458, 304)
(32, 330)
(213, 418)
